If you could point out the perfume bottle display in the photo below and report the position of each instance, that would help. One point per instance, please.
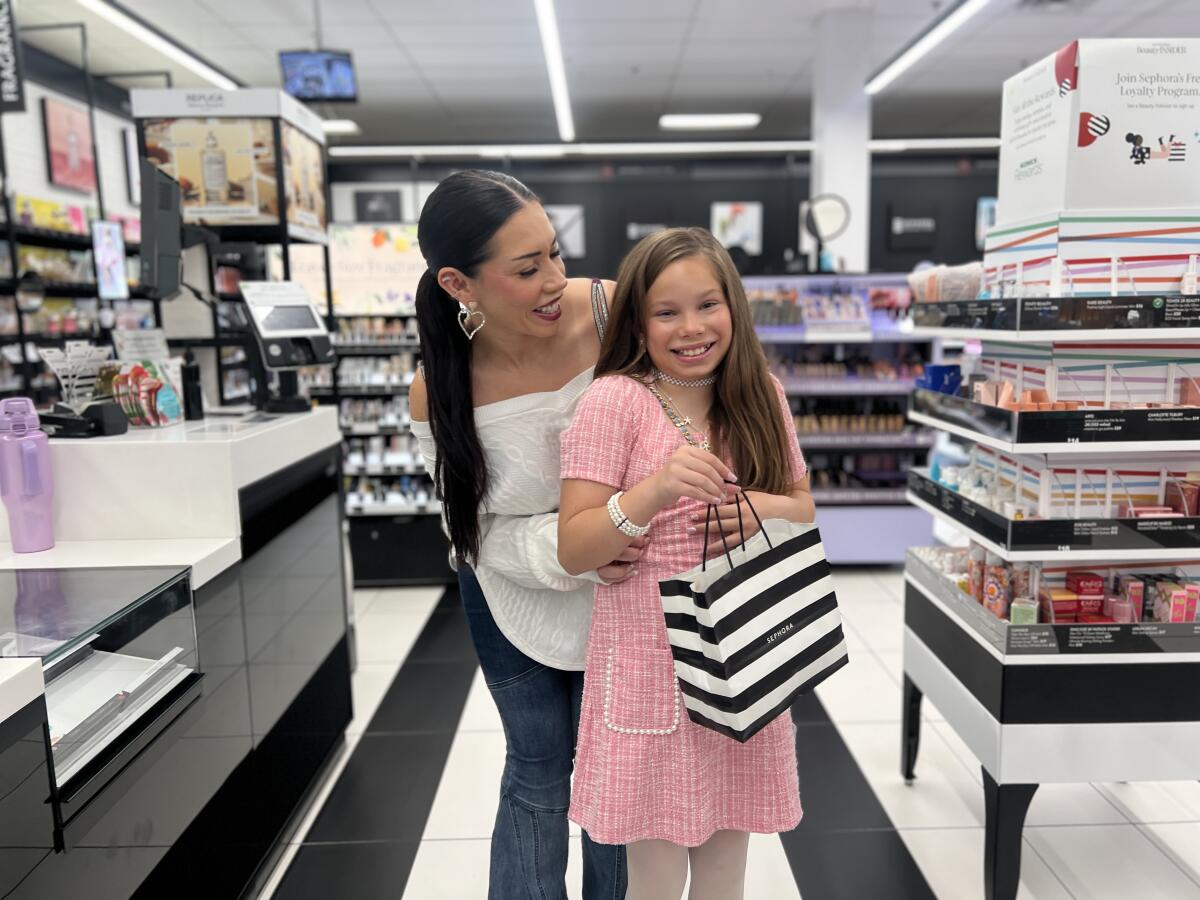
(214, 171)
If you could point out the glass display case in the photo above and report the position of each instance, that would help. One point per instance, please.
(118, 652)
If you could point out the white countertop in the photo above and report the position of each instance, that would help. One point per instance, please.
(20, 684)
(207, 557)
(175, 483)
(284, 439)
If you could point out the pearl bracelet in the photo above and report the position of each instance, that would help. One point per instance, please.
(621, 521)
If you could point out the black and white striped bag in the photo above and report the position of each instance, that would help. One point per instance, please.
(755, 628)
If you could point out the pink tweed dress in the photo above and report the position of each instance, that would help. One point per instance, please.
(643, 770)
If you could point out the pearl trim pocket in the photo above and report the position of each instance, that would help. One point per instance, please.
(623, 729)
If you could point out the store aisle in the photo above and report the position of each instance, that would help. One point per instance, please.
(415, 792)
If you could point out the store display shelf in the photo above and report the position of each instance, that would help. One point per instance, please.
(383, 470)
(48, 237)
(845, 387)
(1038, 644)
(265, 234)
(898, 440)
(1108, 431)
(1063, 319)
(99, 683)
(355, 509)
(376, 349)
(1069, 540)
(798, 334)
(412, 314)
(353, 391)
(858, 496)
(371, 429)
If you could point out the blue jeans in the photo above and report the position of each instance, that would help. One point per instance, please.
(539, 707)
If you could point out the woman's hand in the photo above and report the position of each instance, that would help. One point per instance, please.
(726, 521)
(623, 567)
(695, 473)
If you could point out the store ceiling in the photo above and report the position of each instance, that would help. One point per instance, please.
(472, 71)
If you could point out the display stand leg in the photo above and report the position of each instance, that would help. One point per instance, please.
(911, 730)
(1006, 805)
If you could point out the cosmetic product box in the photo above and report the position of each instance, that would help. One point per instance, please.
(1183, 497)
(1058, 604)
(1193, 600)
(1023, 611)
(1085, 619)
(1123, 611)
(1091, 604)
(1081, 583)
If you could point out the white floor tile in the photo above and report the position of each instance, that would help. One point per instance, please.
(1072, 804)
(369, 684)
(480, 713)
(952, 862)
(362, 601)
(1114, 861)
(449, 870)
(861, 692)
(1166, 801)
(956, 744)
(768, 873)
(384, 638)
(855, 583)
(405, 600)
(892, 581)
(878, 621)
(465, 805)
(1181, 842)
(944, 794)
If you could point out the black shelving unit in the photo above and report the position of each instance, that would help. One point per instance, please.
(391, 544)
(32, 378)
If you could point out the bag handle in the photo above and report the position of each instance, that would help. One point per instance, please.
(737, 499)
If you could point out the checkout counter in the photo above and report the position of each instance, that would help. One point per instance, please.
(175, 672)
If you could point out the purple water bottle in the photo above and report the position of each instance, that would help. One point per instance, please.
(26, 481)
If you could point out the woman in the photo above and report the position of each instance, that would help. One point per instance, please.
(508, 345)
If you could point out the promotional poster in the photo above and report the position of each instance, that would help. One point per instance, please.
(304, 175)
(1102, 124)
(225, 167)
(69, 146)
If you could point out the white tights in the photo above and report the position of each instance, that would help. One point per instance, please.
(659, 869)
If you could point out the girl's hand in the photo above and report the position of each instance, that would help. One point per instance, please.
(694, 473)
(726, 521)
(623, 567)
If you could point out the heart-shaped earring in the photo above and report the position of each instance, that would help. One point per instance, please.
(470, 320)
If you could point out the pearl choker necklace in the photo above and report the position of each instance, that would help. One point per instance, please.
(683, 382)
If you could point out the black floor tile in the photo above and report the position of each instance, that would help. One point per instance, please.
(854, 865)
(833, 790)
(426, 696)
(375, 871)
(386, 790)
(808, 710)
(445, 637)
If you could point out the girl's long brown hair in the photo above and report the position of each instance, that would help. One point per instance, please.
(746, 421)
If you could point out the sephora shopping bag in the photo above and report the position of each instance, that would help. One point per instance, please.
(753, 629)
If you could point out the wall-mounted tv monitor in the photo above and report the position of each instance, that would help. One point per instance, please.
(326, 75)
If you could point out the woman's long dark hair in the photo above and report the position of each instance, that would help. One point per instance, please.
(457, 225)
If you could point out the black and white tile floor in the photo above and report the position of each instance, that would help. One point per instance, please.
(407, 812)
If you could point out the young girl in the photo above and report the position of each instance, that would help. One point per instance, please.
(683, 408)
